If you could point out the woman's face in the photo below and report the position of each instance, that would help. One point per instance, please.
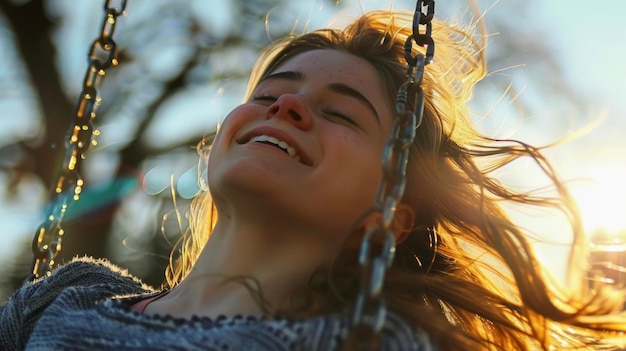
(306, 148)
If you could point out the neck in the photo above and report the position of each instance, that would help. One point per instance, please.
(245, 258)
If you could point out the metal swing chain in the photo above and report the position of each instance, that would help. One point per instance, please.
(102, 55)
(378, 246)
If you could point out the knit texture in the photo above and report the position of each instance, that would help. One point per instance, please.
(86, 305)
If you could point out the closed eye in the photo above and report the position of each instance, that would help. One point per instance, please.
(267, 98)
(342, 117)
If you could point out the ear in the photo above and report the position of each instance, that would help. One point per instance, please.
(402, 225)
(403, 222)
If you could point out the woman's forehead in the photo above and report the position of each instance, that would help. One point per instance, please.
(334, 64)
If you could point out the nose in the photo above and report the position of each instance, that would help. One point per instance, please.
(292, 109)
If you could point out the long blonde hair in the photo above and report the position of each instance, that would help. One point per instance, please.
(467, 275)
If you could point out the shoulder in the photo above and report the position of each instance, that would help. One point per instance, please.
(79, 282)
(86, 272)
(82, 278)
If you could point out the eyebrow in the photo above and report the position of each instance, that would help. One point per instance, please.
(339, 88)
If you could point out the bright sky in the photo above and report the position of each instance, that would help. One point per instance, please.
(587, 36)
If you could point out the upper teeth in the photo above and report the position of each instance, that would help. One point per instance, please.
(282, 144)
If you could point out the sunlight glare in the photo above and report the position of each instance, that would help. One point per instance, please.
(602, 198)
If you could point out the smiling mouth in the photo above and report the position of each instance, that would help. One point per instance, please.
(280, 144)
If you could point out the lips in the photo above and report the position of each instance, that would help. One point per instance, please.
(277, 137)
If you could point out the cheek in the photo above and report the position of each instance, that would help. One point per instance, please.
(238, 116)
(345, 138)
(217, 147)
(360, 150)
(226, 135)
(359, 162)
(233, 122)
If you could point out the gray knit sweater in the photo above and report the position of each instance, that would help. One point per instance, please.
(86, 305)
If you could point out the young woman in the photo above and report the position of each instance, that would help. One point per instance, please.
(271, 262)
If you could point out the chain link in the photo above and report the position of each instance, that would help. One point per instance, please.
(378, 246)
(102, 55)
